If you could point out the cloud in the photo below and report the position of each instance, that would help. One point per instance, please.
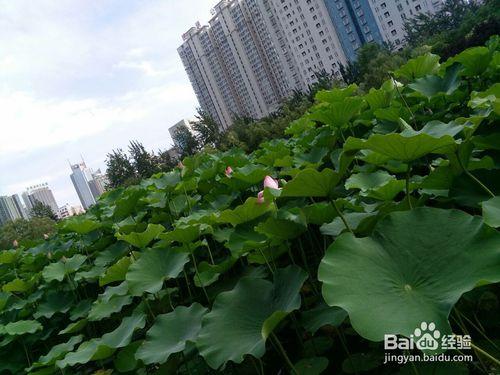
(85, 77)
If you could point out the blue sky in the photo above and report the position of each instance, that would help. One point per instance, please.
(83, 77)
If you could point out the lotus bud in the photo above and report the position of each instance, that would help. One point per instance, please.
(15, 243)
(229, 171)
(271, 183)
(260, 197)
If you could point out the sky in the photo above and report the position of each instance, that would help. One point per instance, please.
(79, 78)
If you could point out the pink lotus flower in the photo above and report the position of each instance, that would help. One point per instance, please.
(260, 197)
(271, 183)
(15, 243)
(229, 171)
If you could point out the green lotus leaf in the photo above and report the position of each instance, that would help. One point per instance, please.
(170, 332)
(103, 309)
(154, 266)
(81, 309)
(246, 212)
(4, 299)
(186, 233)
(112, 254)
(436, 129)
(22, 327)
(125, 360)
(281, 229)
(311, 366)
(79, 224)
(432, 85)
(419, 67)
(381, 98)
(416, 265)
(209, 273)
(399, 147)
(55, 302)
(323, 315)
(337, 114)
(251, 174)
(59, 270)
(319, 213)
(367, 181)
(122, 335)
(8, 256)
(57, 352)
(142, 239)
(487, 142)
(311, 183)
(111, 291)
(243, 240)
(491, 212)
(74, 327)
(336, 94)
(92, 350)
(91, 275)
(16, 285)
(252, 309)
(474, 60)
(337, 226)
(116, 272)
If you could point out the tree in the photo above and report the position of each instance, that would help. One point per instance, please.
(144, 163)
(207, 129)
(165, 161)
(23, 231)
(186, 142)
(120, 170)
(41, 210)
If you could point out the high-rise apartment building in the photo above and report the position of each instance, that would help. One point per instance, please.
(391, 16)
(39, 193)
(355, 24)
(235, 64)
(89, 185)
(253, 53)
(312, 37)
(9, 210)
(19, 207)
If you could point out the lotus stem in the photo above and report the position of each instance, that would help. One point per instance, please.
(267, 262)
(403, 99)
(485, 354)
(199, 278)
(283, 353)
(474, 178)
(187, 284)
(342, 217)
(408, 197)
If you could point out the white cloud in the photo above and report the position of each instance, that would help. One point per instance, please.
(85, 77)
